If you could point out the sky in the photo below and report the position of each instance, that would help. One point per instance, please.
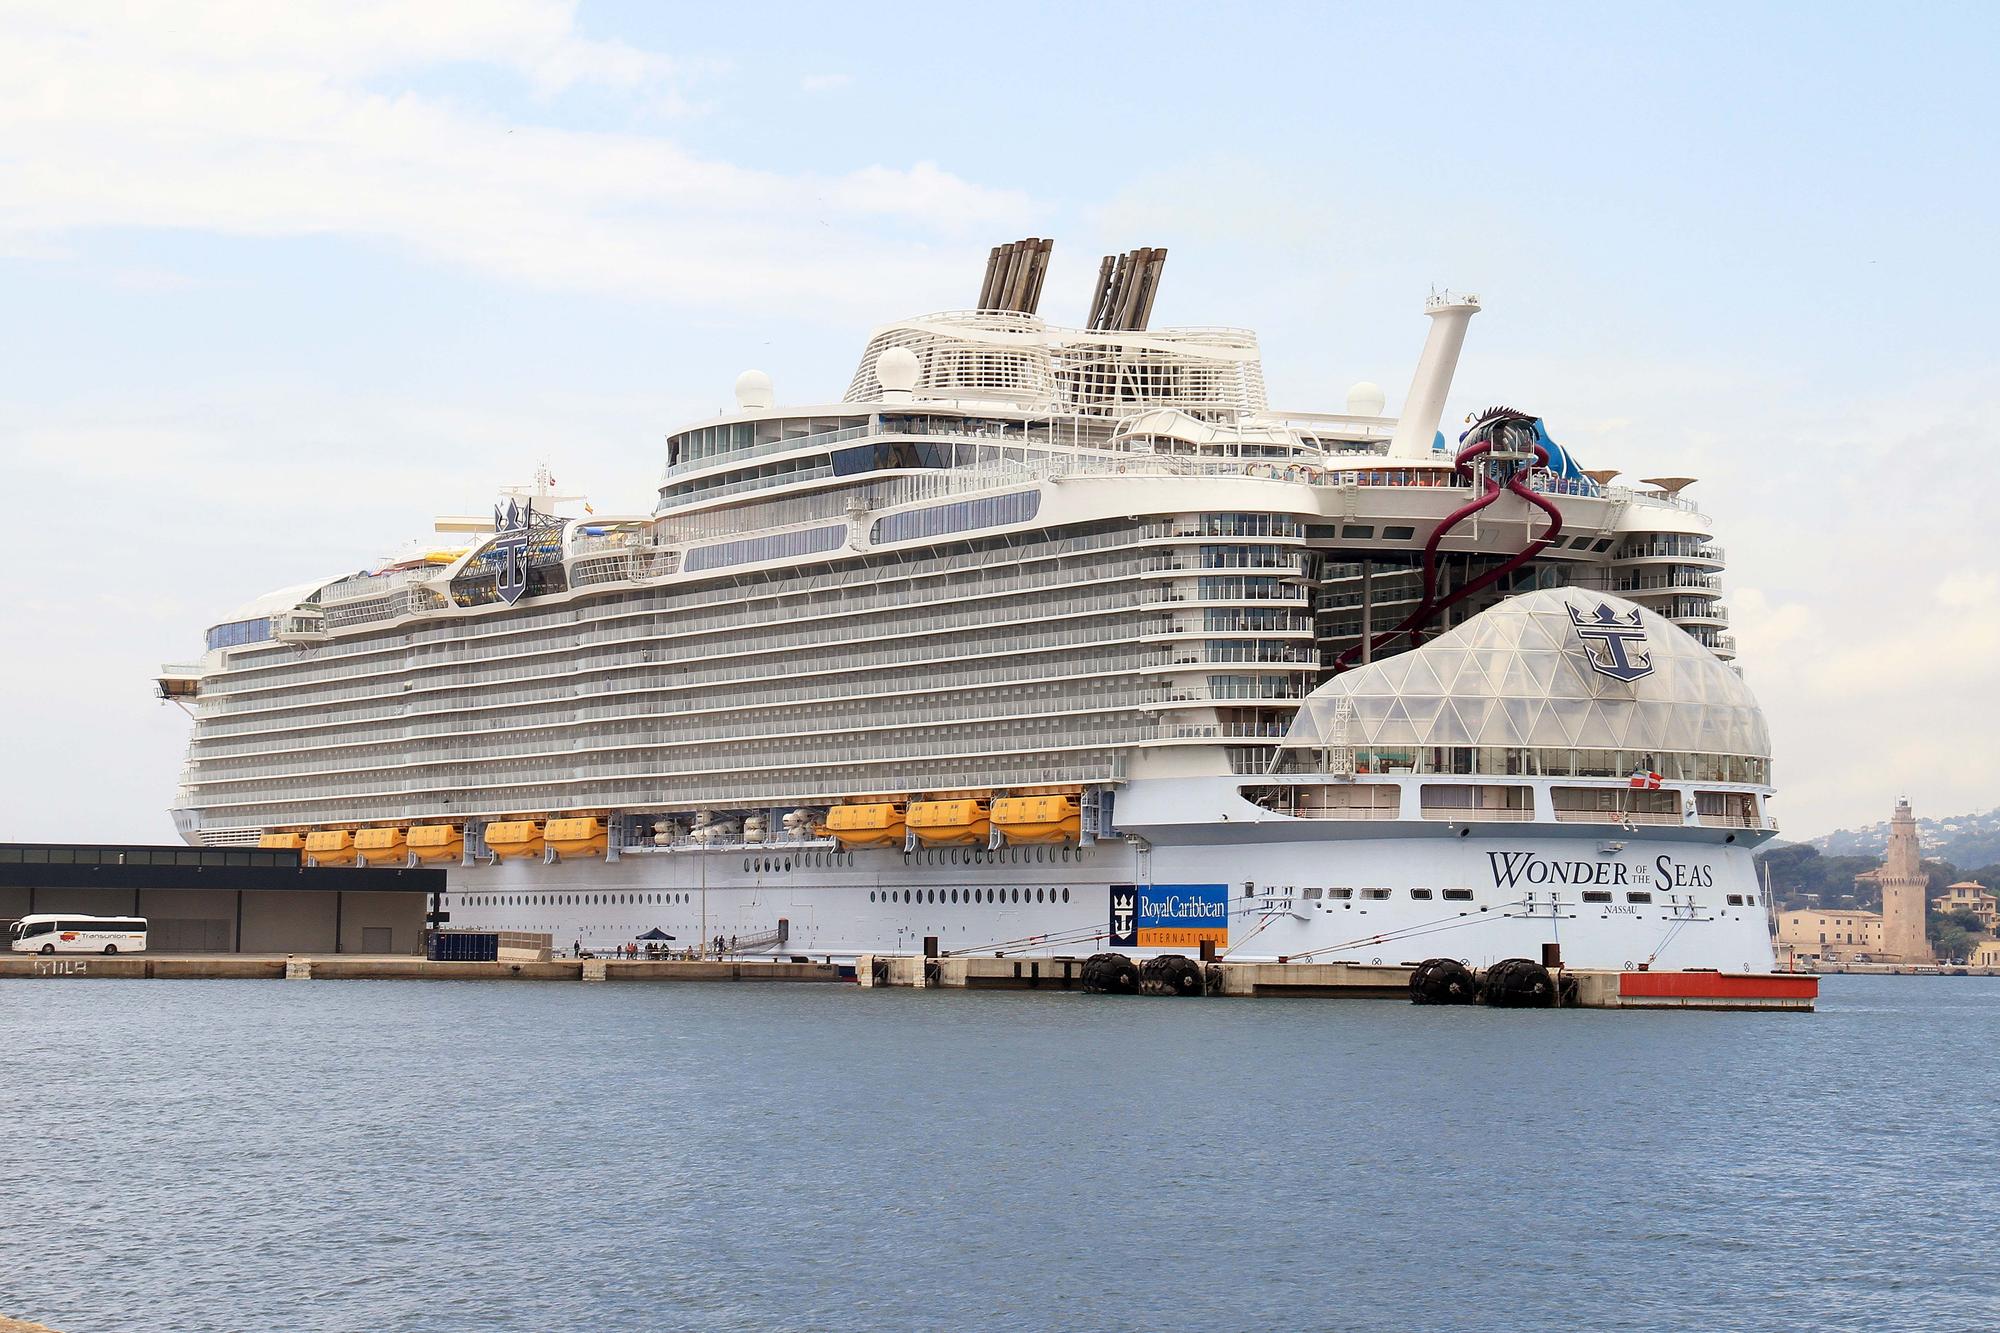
(278, 283)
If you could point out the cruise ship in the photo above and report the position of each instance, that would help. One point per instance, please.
(1043, 641)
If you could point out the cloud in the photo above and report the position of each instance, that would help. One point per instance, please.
(299, 120)
(826, 83)
(195, 506)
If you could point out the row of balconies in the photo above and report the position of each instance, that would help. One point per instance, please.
(781, 752)
(958, 624)
(458, 718)
(804, 586)
(770, 787)
(810, 597)
(799, 728)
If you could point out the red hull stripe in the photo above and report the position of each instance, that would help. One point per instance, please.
(1716, 986)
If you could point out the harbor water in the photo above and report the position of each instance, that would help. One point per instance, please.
(497, 1156)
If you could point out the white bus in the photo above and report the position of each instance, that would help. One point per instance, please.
(73, 932)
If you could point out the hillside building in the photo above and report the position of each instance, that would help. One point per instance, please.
(1832, 935)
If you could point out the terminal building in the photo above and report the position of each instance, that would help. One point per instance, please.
(1832, 935)
(223, 900)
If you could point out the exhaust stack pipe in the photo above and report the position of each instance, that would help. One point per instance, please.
(1014, 274)
(1417, 428)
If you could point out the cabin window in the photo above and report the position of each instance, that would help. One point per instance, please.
(1596, 896)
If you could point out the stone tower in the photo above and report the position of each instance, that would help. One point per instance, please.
(1904, 891)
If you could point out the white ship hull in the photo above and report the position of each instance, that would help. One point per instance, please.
(1670, 898)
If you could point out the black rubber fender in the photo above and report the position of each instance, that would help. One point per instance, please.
(1172, 974)
(1443, 981)
(1518, 983)
(1110, 974)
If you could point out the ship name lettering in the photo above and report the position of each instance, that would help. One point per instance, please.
(1684, 876)
(1511, 868)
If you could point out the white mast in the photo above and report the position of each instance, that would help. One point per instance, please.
(1424, 407)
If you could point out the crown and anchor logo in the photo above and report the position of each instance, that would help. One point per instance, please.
(1614, 642)
(513, 524)
(1124, 913)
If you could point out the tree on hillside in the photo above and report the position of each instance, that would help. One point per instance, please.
(1801, 876)
(1952, 943)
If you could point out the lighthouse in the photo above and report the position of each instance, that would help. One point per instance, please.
(1904, 889)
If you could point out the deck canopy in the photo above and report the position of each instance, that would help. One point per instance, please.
(1557, 669)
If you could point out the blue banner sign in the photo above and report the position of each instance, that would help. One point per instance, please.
(1169, 916)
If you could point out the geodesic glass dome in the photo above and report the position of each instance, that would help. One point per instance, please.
(1543, 671)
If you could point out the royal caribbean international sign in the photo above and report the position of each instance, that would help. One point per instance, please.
(1169, 916)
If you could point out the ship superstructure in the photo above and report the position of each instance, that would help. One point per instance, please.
(1019, 587)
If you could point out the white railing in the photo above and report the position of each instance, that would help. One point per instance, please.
(1465, 814)
(689, 466)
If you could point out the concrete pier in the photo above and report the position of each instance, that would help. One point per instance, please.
(1300, 980)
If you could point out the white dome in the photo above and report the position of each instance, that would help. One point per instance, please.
(1366, 400)
(896, 370)
(753, 390)
(1542, 671)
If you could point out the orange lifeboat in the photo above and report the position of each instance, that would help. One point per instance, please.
(514, 839)
(869, 824)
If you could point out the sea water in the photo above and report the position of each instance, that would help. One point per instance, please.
(214, 1155)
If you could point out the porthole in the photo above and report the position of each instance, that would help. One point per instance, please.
(1065, 895)
(871, 897)
(954, 897)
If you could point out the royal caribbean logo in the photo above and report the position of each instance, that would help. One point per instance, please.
(1169, 916)
(514, 523)
(1614, 642)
